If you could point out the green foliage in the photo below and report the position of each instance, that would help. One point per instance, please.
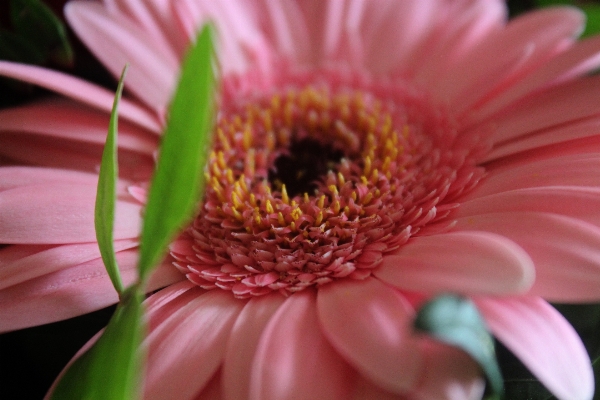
(34, 22)
(179, 179)
(106, 195)
(455, 320)
(111, 369)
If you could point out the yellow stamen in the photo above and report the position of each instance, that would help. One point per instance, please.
(269, 207)
(284, 195)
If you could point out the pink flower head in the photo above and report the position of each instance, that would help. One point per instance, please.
(368, 155)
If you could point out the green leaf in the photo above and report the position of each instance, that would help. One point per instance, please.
(592, 11)
(455, 320)
(35, 22)
(106, 195)
(179, 179)
(111, 368)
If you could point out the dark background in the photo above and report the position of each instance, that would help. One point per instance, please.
(30, 359)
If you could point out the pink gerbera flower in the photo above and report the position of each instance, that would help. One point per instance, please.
(368, 156)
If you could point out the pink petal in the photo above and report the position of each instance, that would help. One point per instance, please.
(570, 170)
(49, 152)
(155, 17)
(243, 342)
(187, 348)
(293, 359)
(526, 42)
(37, 150)
(463, 29)
(367, 390)
(544, 341)
(238, 36)
(464, 262)
(116, 42)
(71, 292)
(564, 251)
(557, 105)
(50, 260)
(573, 201)
(556, 135)
(448, 374)
(13, 177)
(390, 39)
(586, 147)
(80, 90)
(59, 213)
(369, 323)
(581, 58)
(160, 305)
(212, 390)
(67, 119)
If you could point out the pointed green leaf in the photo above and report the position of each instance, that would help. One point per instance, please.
(106, 195)
(111, 368)
(179, 179)
(35, 22)
(455, 320)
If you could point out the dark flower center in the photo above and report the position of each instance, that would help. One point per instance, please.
(303, 167)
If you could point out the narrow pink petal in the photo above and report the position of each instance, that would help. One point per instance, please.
(59, 213)
(67, 119)
(557, 105)
(555, 135)
(22, 148)
(243, 342)
(12, 177)
(37, 150)
(448, 374)
(16, 176)
(163, 300)
(369, 323)
(293, 359)
(586, 147)
(285, 26)
(187, 348)
(80, 90)
(544, 341)
(464, 262)
(156, 18)
(569, 170)
(578, 202)
(71, 292)
(400, 27)
(115, 41)
(462, 31)
(238, 36)
(51, 260)
(527, 41)
(13, 253)
(581, 58)
(564, 251)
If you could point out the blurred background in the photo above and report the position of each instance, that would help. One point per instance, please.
(34, 32)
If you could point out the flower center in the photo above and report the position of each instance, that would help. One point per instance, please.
(315, 183)
(301, 168)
